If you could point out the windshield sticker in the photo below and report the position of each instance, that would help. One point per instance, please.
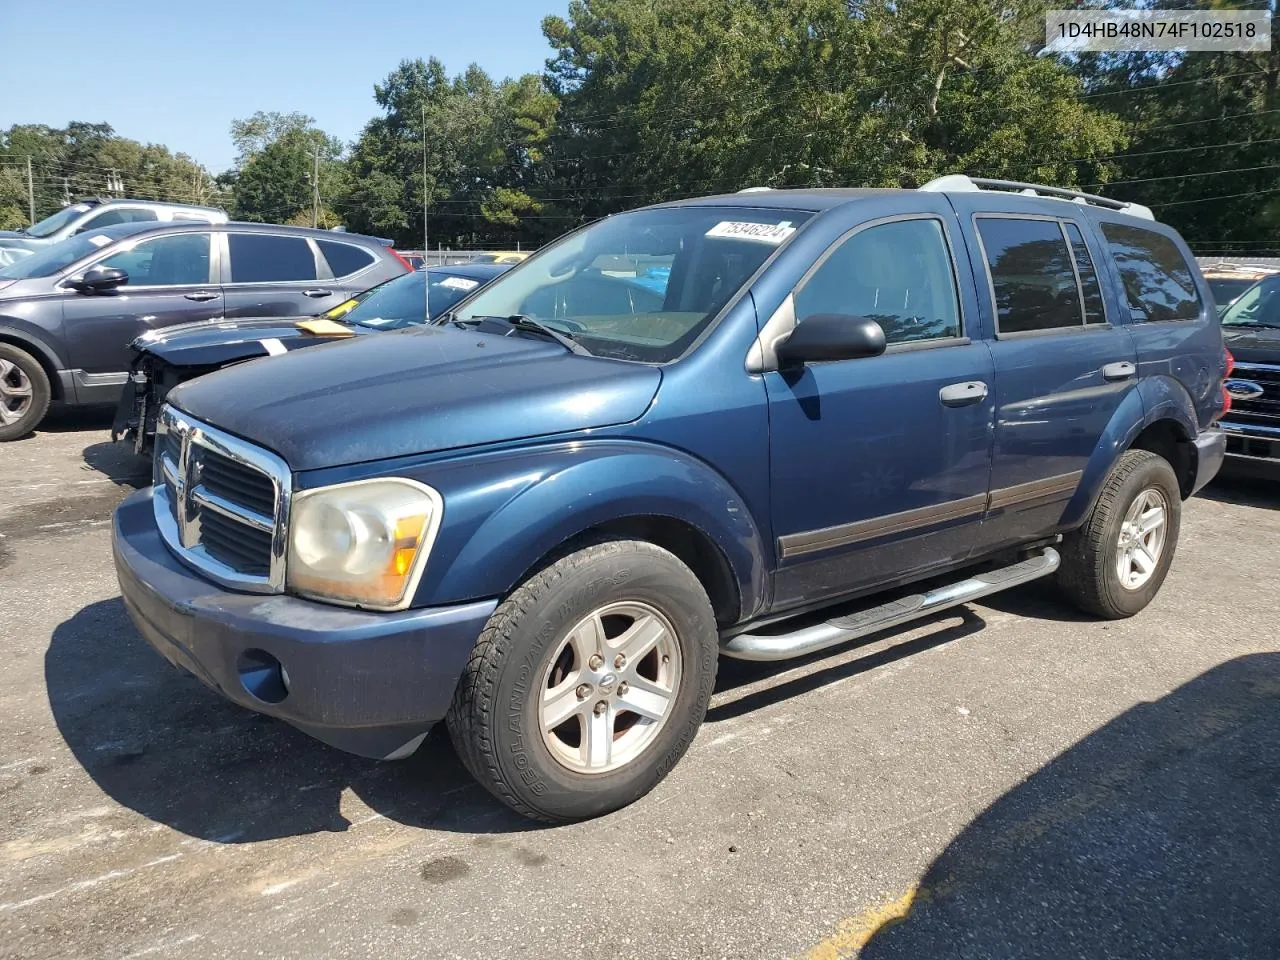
(81, 207)
(459, 283)
(99, 240)
(771, 233)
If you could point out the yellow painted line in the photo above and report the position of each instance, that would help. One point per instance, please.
(856, 932)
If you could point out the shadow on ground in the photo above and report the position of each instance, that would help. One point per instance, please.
(157, 741)
(1156, 836)
(1240, 488)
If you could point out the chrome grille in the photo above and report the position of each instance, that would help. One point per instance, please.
(1264, 410)
(222, 504)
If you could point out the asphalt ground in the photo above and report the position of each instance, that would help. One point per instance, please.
(1010, 780)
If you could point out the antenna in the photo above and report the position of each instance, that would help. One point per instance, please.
(426, 245)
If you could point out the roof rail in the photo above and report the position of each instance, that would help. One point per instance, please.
(961, 183)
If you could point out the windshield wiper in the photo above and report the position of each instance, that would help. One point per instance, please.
(522, 322)
(1252, 325)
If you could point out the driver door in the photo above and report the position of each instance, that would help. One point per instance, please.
(880, 465)
(170, 281)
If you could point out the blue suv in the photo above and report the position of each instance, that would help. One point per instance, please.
(544, 517)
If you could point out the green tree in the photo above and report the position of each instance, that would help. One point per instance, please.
(483, 143)
(277, 158)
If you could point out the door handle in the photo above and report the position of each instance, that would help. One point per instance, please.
(202, 296)
(963, 394)
(1122, 370)
(317, 294)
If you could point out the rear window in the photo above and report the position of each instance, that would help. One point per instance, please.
(345, 258)
(261, 258)
(1157, 280)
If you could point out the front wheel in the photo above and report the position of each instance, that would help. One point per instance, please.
(24, 393)
(588, 683)
(1114, 565)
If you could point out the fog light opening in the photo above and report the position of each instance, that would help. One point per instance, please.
(263, 676)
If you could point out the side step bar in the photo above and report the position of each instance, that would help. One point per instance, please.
(767, 647)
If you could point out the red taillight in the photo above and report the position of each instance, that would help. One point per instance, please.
(407, 265)
(1231, 362)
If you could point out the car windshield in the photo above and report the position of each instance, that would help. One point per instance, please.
(51, 225)
(643, 285)
(1259, 306)
(399, 302)
(59, 256)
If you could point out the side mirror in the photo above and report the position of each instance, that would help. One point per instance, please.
(831, 336)
(101, 280)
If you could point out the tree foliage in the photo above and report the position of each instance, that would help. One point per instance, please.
(649, 101)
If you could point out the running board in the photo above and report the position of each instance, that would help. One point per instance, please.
(766, 647)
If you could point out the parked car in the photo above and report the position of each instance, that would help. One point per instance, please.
(69, 312)
(1228, 281)
(164, 358)
(546, 516)
(509, 257)
(95, 214)
(1251, 327)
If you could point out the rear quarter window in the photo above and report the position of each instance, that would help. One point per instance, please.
(345, 258)
(1158, 282)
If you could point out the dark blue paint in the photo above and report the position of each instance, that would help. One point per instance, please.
(531, 446)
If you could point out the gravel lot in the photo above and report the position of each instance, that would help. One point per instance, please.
(1008, 781)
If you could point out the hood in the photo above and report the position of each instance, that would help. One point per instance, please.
(418, 390)
(1253, 344)
(12, 238)
(214, 343)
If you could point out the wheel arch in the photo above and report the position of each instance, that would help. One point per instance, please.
(43, 353)
(497, 532)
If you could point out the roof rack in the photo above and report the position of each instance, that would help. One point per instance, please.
(962, 183)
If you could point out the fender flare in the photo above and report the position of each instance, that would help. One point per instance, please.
(21, 338)
(1150, 401)
(499, 524)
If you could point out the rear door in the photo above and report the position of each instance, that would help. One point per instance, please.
(276, 275)
(169, 282)
(1063, 364)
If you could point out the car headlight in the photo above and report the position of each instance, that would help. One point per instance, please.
(364, 544)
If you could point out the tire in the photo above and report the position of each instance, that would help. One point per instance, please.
(1092, 556)
(533, 649)
(24, 393)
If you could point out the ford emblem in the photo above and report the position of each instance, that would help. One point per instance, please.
(1243, 389)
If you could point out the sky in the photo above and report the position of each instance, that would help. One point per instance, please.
(177, 72)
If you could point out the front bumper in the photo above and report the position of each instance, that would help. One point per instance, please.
(1252, 450)
(372, 684)
(1211, 449)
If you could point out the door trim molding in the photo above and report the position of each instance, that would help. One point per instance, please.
(812, 541)
(1023, 495)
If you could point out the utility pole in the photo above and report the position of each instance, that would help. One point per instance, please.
(426, 241)
(315, 190)
(66, 192)
(31, 194)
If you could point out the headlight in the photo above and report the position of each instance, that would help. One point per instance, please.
(364, 544)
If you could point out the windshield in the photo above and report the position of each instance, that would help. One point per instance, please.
(51, 225)
(50, 260)
(1259, 306)
(643, 285)
(399, 302)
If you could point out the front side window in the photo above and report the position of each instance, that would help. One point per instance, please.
(898, 274)
(262, 258)
(116, 215)
(1157, 280)
(1032, 276)
(178, 260)
(642, 285)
